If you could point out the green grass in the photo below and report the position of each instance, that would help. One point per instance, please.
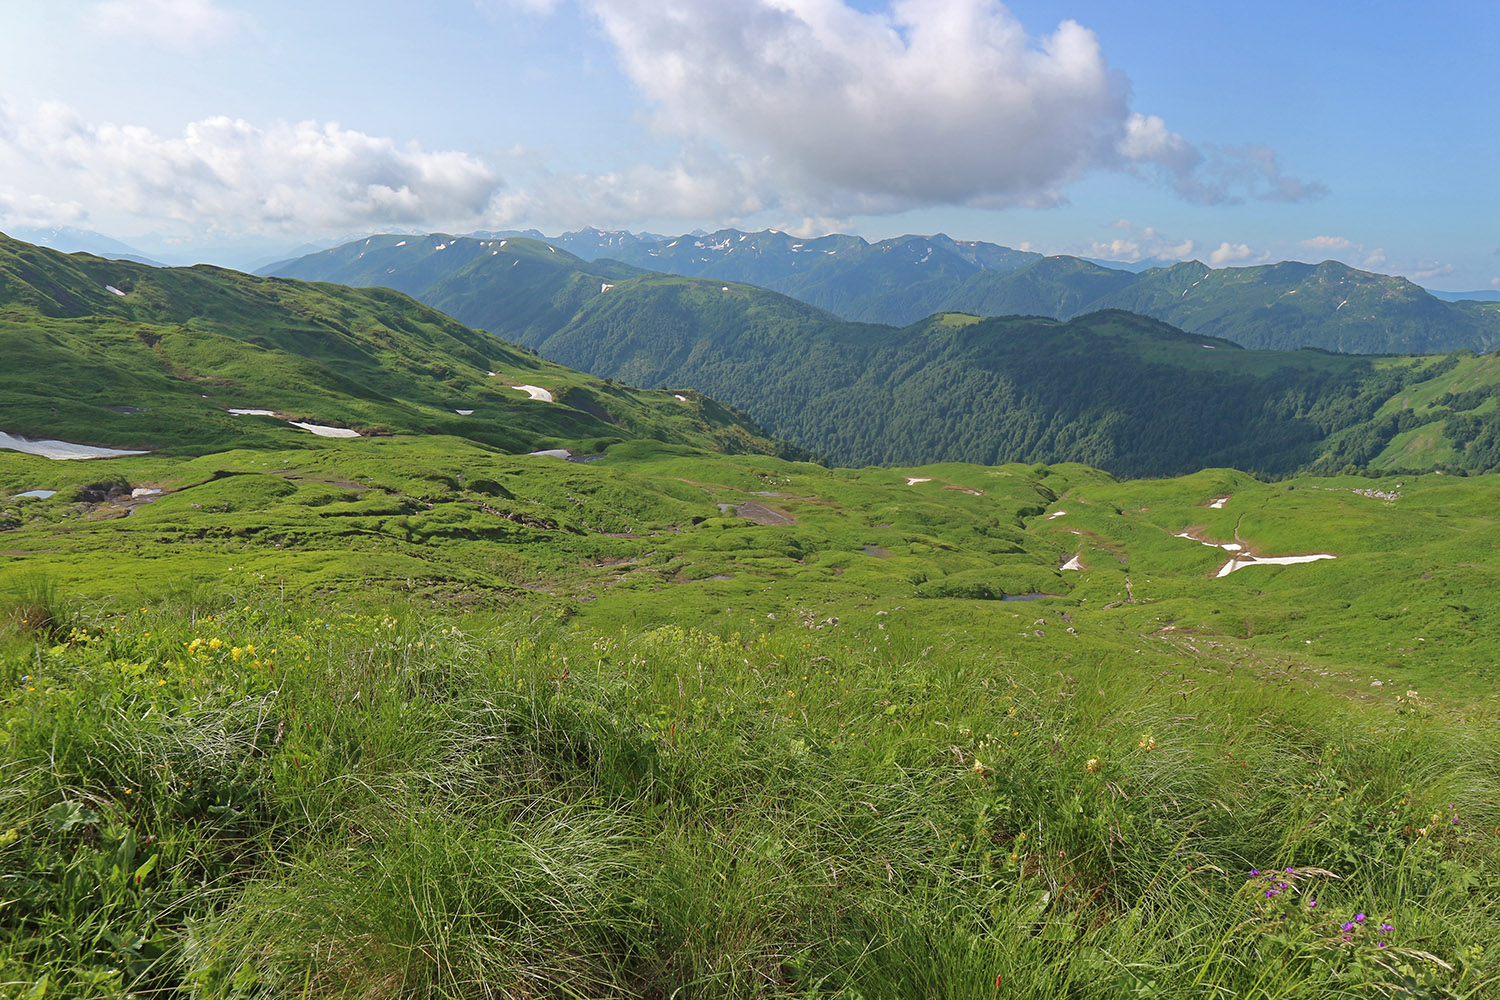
(407, 717)
(410, 804)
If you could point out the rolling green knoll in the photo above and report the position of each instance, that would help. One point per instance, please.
(408, 717)
(186, 344)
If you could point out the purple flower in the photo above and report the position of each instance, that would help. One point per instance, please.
(1347, 927)
(1272, 892)
(1380, 944)
(1287, 869)
(1311, 903)
(1359, 918)
(1386, 928)
(1255, 871)
(1281, 885)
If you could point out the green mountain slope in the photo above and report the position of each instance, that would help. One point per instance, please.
(1282, 306)
(833, 386)
(1113, 390)
(115, 353)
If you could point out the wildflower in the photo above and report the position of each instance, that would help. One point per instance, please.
(1312, 904)
(981, 770)
(1386, 928)
(215, 643)
(1348, 926)
(236, 653)
(1147, 742)
(1093, 765)
(1359, 918)
(1255, 871)
(1272, 893)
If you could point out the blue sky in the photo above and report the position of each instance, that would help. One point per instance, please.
(1230, 133)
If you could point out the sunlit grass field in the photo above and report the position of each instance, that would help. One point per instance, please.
(385, 719)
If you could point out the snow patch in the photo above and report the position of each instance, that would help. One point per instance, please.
(113, 290)
(1056, 513)
(1219, 502)
(464, 413)
(679, 397)
(60, 450)
(1240, 562)
(535, 392)
(142, 491)
(1075, 564)
(38, 494)
(401, 244)
(914, 480)
(324, 431)
(252, 413)
(552, 453)
(604, 287)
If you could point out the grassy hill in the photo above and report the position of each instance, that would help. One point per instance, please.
(408, 717)
(114, 353)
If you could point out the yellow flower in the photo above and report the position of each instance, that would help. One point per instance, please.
(215, 643)
(1093, 765)
(236, 653)
(1147, 742)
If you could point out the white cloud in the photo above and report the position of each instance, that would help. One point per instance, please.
(930, 103)
(1433, 270)
(1212, 175)
(34, 211)
(229, 175)
(185, 25)
(1230, 253)
(1495, 282)
(1327, 243)
(927, 102)
(1140, 243)
(1375, 258)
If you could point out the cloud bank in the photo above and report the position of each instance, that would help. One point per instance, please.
(184, 25)
(229, 175)
(931, 102)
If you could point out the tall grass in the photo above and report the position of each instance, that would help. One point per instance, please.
(257, 799)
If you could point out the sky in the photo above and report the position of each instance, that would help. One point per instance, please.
(1182, 129)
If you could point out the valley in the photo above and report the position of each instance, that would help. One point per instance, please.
(596, 690)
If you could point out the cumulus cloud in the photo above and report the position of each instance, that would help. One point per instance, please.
(1140, 243)
(185, 25)
(1327, 243)
(1375, 258)
(231, 175)
(927, 102)
(34, 211)
(1230, 253)
(930, 103)
(1430, 270)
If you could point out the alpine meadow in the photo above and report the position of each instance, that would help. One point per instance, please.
(398, 602)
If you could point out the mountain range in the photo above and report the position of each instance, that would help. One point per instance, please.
(1120, 391)
(1284, 306)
